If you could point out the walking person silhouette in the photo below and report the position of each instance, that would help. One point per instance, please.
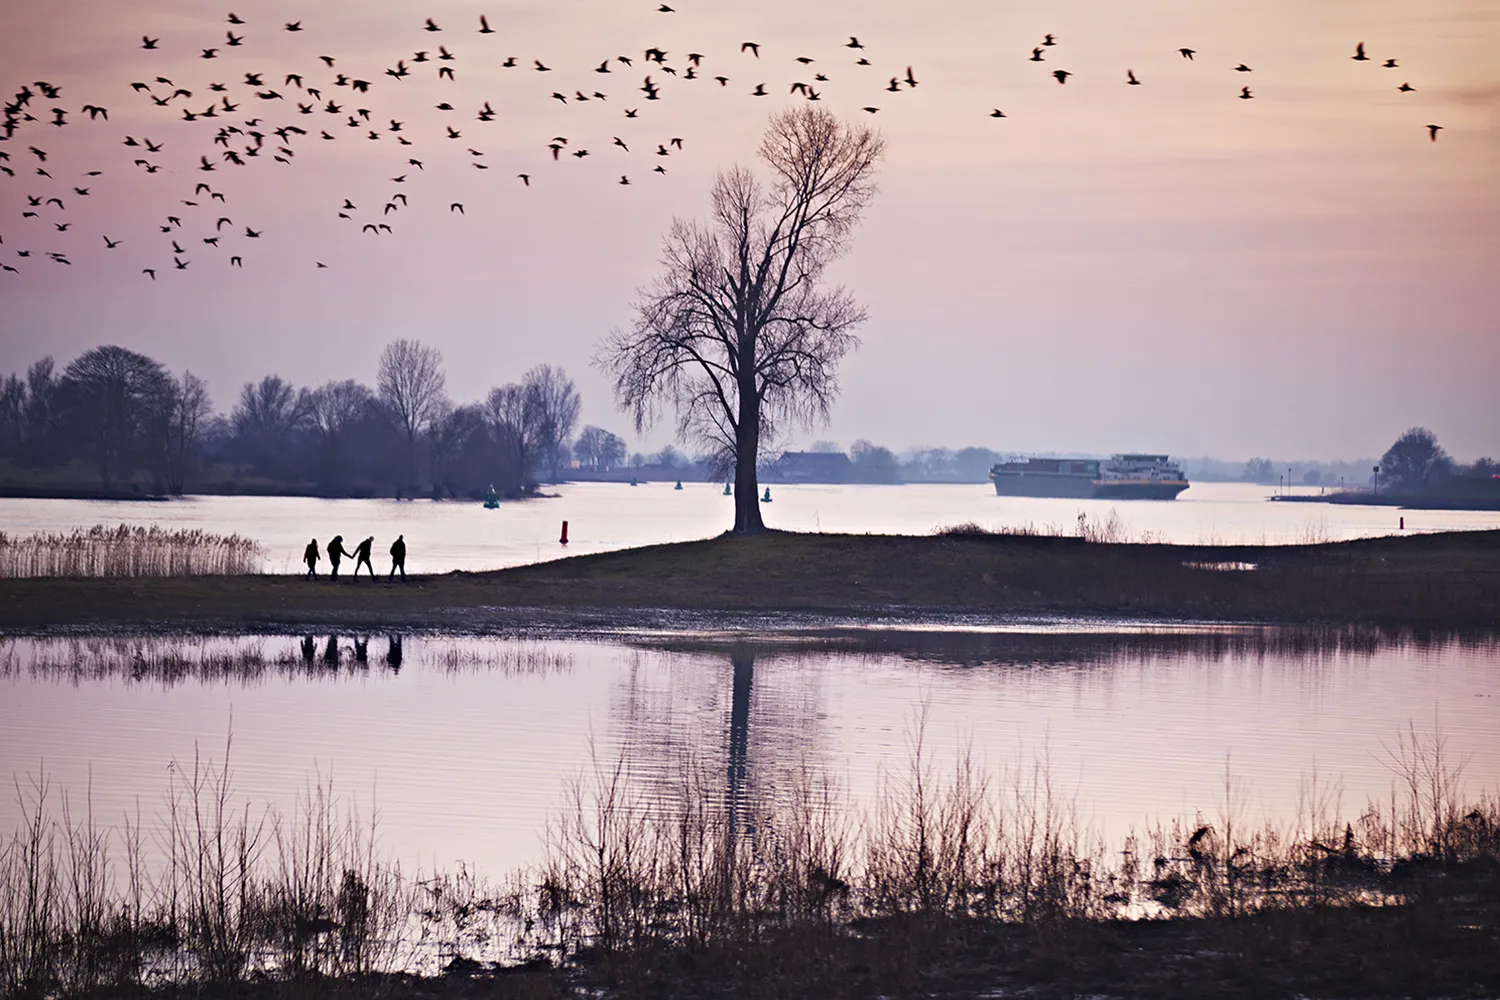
(310, 556)
(362, 556)
(335, 553)
(398, 557)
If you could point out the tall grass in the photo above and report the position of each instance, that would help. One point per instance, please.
(637, 891)
(128, 551)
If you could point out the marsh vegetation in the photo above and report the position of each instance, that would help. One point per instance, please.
(128, 552)
(953, 880)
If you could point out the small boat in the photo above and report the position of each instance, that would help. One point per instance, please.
(727, 491)
(491, 500)
(678, 486)
(767, 497)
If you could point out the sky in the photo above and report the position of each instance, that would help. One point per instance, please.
(1162, 267)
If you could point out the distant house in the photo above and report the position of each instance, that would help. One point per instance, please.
(813, 467)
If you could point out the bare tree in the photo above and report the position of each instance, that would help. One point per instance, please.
(410, 382)
(110, 394)
(513, 416)
(1415, 461)
(738, 335)
(268, 413)
(189, 410)
(556, 403)
(333, 409)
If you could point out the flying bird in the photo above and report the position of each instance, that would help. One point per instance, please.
(1036, 54)
(624, 179)
(150, 271)
(1062, 75)
(1242, 68)
(252, 234)
(1048, 40)
(111, 244)
(234, 18)
(1433, 130)
(1130, 78)
(1406, 88)
(1187, 53)
(853, 43)
(1359, 53)
(997, 113)
(294, 26)
(149, 43)
(1245, 94)
(456, 207)
(911, 81)
(525, 179)
(1389, 64)
(484, 26)
(754, 48)
(431, 25)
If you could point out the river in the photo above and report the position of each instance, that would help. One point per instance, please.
(444, 536)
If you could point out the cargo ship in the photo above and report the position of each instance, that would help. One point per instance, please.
(1122, 477)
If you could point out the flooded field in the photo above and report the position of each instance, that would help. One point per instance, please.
(465, 749)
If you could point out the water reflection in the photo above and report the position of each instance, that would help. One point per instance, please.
(465, 746)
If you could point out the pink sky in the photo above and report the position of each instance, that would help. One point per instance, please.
(1161, 267)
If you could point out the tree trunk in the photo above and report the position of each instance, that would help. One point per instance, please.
(746, 450)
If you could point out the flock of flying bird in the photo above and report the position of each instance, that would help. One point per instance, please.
(329, 106)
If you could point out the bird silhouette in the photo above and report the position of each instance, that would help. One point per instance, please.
(252, 234)
(150, 271)
(1245, 94)
(237, 262)
(484, 26)
(1433, 130)
(1036, 54)
(294, 26)
(1359, 53)
(752, 47)
(1242, 68)
(1048, 40)
(997, 113)
(234, 18)
(624, 179)
(431, 25)
(1406, 88)
(1061, 75)
(149, 43)
(1389, 64)
(1130, 78)
(110, 244)
(911, 81)
(525, 179)
(1187, 53)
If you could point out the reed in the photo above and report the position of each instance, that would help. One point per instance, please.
(126, 552)
(953, 881)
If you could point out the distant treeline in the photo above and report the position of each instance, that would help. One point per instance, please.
(125, 423)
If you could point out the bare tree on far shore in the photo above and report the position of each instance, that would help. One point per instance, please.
(189, 410)
(557, 404)
(333, 408)
(411, 384)
(269, 412)
(738, 335)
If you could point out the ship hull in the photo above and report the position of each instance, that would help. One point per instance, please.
(1081, 488)
(1164, 489)
(1043, 485)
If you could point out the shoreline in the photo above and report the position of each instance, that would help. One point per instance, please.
(1423, 582)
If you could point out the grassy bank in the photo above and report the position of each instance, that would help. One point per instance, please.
(1421, 581)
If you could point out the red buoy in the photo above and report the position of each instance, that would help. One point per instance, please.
(564, 539)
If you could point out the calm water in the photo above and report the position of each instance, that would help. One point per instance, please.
(604, 516)
(468, 747)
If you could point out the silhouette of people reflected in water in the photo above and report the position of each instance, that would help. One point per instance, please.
(393, 653)
(309, 649)
(331, 652)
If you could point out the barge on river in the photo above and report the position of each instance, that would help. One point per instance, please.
(1122, 477)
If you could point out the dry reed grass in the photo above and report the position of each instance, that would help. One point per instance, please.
(128, 551)
(705, 890)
